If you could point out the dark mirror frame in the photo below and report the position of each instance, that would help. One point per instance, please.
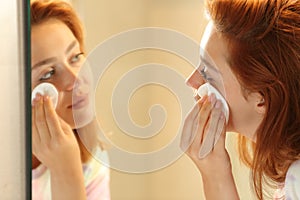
(25, 16)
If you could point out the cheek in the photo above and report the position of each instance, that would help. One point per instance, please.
(235, 101)
(63, 101)
(60, 110)
(242, 116)
(62, 104)
(65, 113)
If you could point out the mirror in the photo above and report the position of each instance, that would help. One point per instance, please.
(139, 54)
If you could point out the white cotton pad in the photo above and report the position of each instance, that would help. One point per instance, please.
(46, 89)
(208, 89)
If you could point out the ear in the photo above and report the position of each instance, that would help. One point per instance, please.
(260, 105)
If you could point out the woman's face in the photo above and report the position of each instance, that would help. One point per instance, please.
(56, 58)
(245, 115)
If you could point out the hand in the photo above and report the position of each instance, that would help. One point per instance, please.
(203, 137)
(53, 141)
(204, 127)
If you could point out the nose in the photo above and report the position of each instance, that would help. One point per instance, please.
(70, 76)
(195, 80)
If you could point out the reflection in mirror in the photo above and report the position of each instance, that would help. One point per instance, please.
(61, 165)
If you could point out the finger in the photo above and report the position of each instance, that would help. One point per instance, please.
(213, 131)
(51, 118)
(220, 139)
(40, 120)
(212, 100)
(65, 127)
(203, 118)
(190, 125)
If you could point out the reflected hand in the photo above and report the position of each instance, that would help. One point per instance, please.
(53, 141)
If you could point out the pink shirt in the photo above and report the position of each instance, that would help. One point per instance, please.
(291, 188)
(96, 177)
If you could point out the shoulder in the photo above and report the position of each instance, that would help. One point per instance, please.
(96, 167)
(292, 181)
(97, 177)
(293, 172)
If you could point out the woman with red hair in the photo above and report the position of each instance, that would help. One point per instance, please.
(250, 53)
(62, 167)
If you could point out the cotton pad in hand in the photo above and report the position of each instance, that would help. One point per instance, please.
(46, 89)
(208, 89)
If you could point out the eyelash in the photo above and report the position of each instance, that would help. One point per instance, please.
(77, 57)
(52, 72)
(204, 74)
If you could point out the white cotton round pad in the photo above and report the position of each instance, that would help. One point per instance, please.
(46, 89)
(208, 89)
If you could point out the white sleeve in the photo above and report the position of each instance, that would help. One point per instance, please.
(292, 182)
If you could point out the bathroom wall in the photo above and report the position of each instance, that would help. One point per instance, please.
(12, 143)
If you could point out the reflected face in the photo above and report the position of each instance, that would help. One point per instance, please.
(215, 69)
(56, 58)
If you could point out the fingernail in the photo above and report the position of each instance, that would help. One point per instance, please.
(37, 98)
(218, 104)
(45, 98)
(212, 98)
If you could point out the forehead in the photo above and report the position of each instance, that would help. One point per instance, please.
(212, 45)
(50, 29)
(50, 38)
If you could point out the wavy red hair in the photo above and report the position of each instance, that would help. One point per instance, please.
(263, 38)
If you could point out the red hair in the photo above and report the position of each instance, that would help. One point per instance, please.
(43, 10)
(263, 38)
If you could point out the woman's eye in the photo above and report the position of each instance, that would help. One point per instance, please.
(47, 75)
(204, 69)
(204, 74)
(76, 58)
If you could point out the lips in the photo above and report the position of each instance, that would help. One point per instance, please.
(79, 102)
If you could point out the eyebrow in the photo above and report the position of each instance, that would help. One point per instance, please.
(202, 60)
(71, 46)
(53, 59)
(44, 62)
